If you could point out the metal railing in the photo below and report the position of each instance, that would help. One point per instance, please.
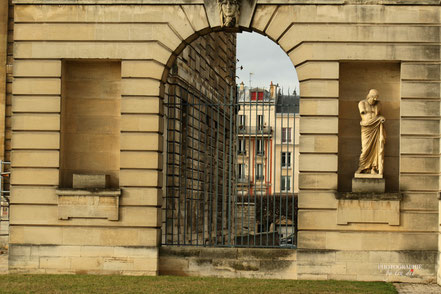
(243, 179)
(4, 197)
(252, 131)
(207, 201)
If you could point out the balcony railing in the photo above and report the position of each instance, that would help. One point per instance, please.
(243, 180)
(253, 130)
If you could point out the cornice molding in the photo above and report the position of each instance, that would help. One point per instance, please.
(199, 2)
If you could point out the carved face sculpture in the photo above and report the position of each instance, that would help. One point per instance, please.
(229, 12)
(372, 96)
(229, 8)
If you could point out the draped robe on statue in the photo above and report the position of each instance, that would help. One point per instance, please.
(373, 137)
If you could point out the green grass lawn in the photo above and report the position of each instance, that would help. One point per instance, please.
(176, 285)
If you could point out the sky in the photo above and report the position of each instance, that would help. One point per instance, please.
(266, 60)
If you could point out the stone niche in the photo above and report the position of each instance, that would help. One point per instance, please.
(356, 79)
(90, 120)
(368, 199)
(90, 140)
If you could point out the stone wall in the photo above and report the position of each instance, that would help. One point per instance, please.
(411, 266)
(318, 68)
(90, 120)
(404, 266)
(4, 233)
(4, 21)
(9, 79)
(5, 98)
(438, 276)
(38, 128)
(228, 262)
(195, 95)
(207, 64)
(82, 259)
(147, 40)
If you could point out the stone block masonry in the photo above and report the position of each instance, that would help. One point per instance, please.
(83, 259)
(366, 265)
(228, 262)
(337, 49)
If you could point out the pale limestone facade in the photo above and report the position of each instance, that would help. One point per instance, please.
(335, 46)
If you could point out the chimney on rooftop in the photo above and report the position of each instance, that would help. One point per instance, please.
(273, 90)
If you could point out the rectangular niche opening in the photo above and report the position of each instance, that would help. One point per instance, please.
(90, 120)
(356, 79)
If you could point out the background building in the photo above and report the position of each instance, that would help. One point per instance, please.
(267, 162)
(267, 143)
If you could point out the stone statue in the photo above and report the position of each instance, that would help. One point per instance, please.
(373, 136)
(229, 12)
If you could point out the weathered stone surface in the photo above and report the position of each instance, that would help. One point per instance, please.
(368, 196)
(83, 181)
(4, 20)
(365, 211)
(228, 262)
(145, 39)
(368, 185)
(58, 259)
(77, 203)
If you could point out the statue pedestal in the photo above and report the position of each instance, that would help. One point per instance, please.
(368, 203)
(367, 183)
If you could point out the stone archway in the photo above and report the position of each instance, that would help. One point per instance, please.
(143, 37)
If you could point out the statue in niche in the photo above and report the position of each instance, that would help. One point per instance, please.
(373, 136)
(229, 12)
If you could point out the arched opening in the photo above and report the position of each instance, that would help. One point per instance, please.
(231, 156)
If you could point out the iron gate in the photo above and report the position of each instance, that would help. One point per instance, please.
(230, 168)
(4, 198)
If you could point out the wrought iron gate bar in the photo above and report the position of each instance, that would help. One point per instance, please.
(230, 164)
(4, 197)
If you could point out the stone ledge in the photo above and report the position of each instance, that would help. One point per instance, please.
(272, 2)
(89, 192)
(90, 203)
(228, 253)
(368, 196)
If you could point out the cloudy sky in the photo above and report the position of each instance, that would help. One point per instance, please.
(266, 60)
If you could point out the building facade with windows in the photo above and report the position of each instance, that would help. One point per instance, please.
(267, 143)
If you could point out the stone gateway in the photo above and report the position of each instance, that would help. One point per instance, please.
(97, 71)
